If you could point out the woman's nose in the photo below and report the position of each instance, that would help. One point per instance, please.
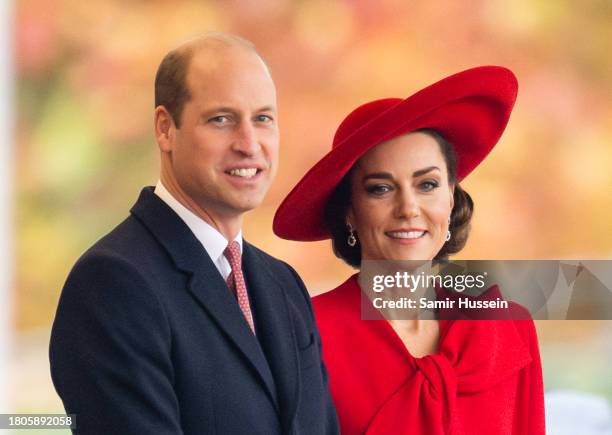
(407, 205)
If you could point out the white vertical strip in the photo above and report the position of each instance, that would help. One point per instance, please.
(6, 186)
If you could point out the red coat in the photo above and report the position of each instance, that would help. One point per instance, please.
(485, 379)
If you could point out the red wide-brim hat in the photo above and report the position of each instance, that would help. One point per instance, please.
(469, 109)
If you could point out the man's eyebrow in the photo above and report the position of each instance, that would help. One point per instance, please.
(267, 109)
(220, 109)
(227, 109)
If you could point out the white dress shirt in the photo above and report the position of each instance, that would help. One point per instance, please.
(211, 239)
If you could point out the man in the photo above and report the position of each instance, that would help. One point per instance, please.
(172, 324)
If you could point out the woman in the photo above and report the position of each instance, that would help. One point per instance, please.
(389, 190)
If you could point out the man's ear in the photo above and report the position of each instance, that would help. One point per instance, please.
(165, 129)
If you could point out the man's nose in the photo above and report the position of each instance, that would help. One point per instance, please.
(246, 140)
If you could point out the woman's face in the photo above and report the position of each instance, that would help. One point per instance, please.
(401, 199)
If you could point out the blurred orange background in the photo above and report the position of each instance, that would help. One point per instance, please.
(84, 145)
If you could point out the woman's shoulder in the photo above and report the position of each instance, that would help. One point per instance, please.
(521, 318)
(337, 299)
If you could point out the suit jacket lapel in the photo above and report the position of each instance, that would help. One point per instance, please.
(210, 290)
(206, 284)
(274, 330)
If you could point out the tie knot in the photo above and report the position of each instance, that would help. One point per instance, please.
(232, 253)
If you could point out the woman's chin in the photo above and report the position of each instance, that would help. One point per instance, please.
(411, 254)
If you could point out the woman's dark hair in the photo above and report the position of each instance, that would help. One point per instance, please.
(339, 202)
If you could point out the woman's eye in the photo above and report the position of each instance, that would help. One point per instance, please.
(378, 189)
(428, 185)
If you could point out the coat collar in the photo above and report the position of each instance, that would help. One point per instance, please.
(274, 330)
(209, 289)
(213, 241)
(481, 353)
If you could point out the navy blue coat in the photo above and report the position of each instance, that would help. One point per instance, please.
(148, 339)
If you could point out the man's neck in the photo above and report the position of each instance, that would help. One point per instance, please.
(228, 226)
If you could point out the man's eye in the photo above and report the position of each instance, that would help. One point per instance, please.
(221, 119)
(263, 118)
(378, 189)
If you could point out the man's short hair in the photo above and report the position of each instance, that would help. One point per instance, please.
(171, 90)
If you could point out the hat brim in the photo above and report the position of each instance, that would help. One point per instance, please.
(469, 109)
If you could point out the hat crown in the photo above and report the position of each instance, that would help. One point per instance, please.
(361, 116)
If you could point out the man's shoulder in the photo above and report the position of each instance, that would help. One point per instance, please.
(125, 239)
(128, 245)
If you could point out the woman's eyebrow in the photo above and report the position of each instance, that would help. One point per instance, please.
(378, 175)
(424, 171)
(388, 176)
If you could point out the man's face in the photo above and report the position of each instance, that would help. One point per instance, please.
(225, 153)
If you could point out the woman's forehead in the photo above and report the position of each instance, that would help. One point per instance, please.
(410, 151)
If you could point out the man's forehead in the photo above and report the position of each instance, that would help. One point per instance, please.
(211, 58)
(229, 70)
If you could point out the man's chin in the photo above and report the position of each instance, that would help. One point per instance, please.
(245, 204)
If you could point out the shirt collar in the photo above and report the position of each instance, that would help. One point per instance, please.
(213, 241)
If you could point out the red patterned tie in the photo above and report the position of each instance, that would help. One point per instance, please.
(235, 281)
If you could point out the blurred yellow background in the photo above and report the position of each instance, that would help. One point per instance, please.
(84, 145)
